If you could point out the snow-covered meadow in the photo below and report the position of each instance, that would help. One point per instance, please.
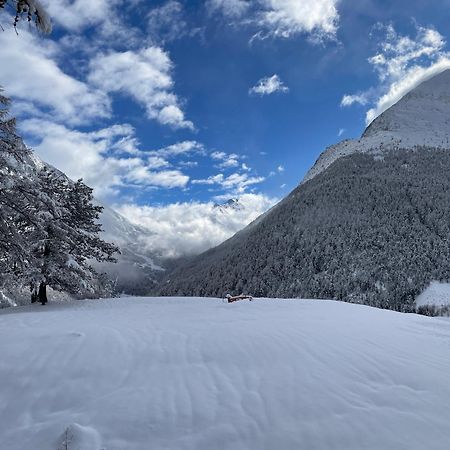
(436, 294)
(200, 374)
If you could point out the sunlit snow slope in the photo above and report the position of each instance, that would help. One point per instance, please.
(197, 374)
(420, 118)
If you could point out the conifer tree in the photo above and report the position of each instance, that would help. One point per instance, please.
(49, 228)
(67, 238)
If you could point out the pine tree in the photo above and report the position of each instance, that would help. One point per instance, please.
(49, 228)
(16, 209)
(68, 238)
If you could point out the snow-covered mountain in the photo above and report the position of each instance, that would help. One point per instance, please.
(137, 268)
(370, 223)
(420, 118)
(230, 204)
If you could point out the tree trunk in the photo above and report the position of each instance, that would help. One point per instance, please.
(43, 293)
(34, 295)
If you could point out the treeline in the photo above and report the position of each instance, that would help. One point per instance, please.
(367, 230)
(49, 227)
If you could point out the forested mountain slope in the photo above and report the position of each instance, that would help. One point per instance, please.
(371, 226)
(365, 230)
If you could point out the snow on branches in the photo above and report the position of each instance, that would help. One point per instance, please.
(49, 230)
(32, 10)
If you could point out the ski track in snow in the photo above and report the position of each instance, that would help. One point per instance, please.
(183, 373)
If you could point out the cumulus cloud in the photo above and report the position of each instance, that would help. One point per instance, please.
(180, 148)
(189, 228)
(361, 99)
(402, 63)
(268, 85)
(46, 89)
(234, 184)
(156, 162)
(274, 18)
(95, 157)
(143, 175)
(227, 160)
(144, 75)
(77, 14)
(290, 17)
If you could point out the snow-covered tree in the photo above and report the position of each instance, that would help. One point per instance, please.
(32, 10)
(16, 209)
(67, 238)
(49, 228)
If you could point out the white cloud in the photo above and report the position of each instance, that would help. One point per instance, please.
(218, 155)
(46, 89)
(290, 17)
(180, 148)
(227, 160)
(397, 52)
(280, 169)
(77, 14)
(235, 184)
(145, 75)
(269, 85)
(229, 8)
(402, 64)
(156, 162)
(282, 18)
(361, 99)
(190, 228)
(88, 155)
(142, 175)
(166, 23)
(187, 163)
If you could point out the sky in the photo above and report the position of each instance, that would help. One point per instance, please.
(165, 105)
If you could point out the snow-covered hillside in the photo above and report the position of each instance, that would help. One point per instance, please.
(420, 118)
(137, 267)
(436, 294)
(183, 373)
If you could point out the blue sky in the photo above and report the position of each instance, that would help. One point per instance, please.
(156, 103)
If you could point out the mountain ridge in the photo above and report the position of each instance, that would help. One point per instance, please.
(427, 105)
(370, 225)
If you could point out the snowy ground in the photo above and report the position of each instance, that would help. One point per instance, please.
(437, 294)
(196, 374)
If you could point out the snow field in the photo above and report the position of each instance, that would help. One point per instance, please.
(437, 294)
(189, 373)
